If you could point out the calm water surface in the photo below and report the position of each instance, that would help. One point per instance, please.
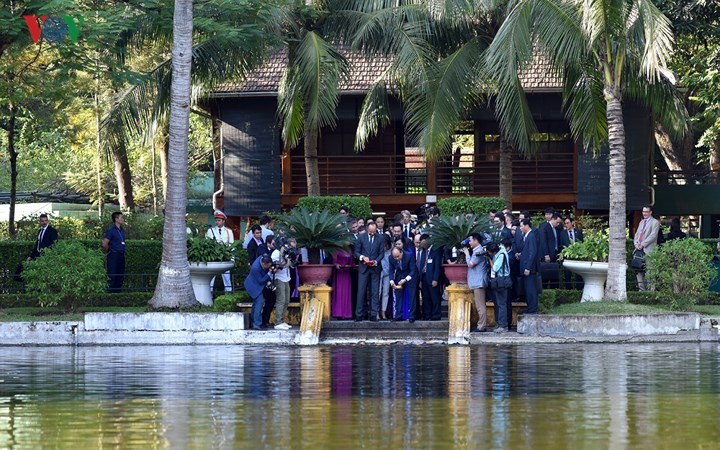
(530, 397)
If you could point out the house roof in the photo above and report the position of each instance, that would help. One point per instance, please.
(538, 77)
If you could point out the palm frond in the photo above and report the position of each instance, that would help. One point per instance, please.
(316, 229)
(290, 108)
(664, 100)
(585, 107)
(657, 40)
(374, 113)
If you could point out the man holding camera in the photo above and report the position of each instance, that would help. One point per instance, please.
(281, 259)
(254, 284)
(477, 275)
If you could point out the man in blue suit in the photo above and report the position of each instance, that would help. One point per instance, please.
(404, 276)
(254, 284)
(430, 273)
(369, 252)
(46, 237)
(529, 266)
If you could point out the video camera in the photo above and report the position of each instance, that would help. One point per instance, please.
(287, 251)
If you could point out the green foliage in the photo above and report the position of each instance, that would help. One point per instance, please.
(204, 250)
(64, 274)
(315, 230)
(550, 298)
(228, 302)
(359, 206)
(454, 206)
(589, 223)
(449, 231)
(680, 266)
(594, 247)
(104, 299)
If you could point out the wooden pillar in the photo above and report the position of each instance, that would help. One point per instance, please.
(479, 152)
(319, 291)
(286, 163)
(431, 174)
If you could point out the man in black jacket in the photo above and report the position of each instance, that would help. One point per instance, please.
(569, 236)
(369, 252)
(430, 262)
(46, 237)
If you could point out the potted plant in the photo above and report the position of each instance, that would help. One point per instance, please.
(315, 231)
(450, 232)
(588, 258)
(207, 259)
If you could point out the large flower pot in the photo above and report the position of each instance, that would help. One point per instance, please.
(200, 276)
(315, 273)
(456, 273)
(594, 275)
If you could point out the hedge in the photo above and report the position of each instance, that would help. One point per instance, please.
(550, 298)
(359, 206)
(122, 299)
(142, 259)
(455, 206)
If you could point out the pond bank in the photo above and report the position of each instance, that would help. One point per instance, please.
(230, 328)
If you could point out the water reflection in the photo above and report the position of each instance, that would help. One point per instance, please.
(551, 396)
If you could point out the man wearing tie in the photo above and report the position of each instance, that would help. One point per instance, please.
(404, 278)
(430, 272)
(646, 239)
(529, 266)
(569, 236)
(46, 237)
(407, 226)
(369, 252)
(549, 236)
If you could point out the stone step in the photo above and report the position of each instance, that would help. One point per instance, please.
(385, 335)
(388, 325)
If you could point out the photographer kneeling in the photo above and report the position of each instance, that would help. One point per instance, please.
(283, 257)
(254, 283)
(478, 269)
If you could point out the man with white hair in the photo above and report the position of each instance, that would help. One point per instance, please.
(224, 235)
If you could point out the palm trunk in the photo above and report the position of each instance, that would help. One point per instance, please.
(506, 172)
(162, 146)
(13, 170)
(173, 289)
(98, 142)
(616, 285)
(123, 177)
(311, 161)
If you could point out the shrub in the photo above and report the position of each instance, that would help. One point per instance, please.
(595, 247)
(204, 250)
(228, 302)
(681, 266)
(550, 298)
(66, 273)
(454, 206)
(359, 206)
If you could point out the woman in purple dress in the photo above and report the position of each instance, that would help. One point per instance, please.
(341, 298)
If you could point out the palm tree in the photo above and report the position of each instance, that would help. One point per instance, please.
(438, 67)
(173, 287)
(308, 93)
(606, 52)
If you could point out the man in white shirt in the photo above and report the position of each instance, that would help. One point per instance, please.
(224, 235)
(282, 285)
(646, 240)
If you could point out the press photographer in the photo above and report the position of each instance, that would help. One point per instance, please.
(284, 258)
(261, 272)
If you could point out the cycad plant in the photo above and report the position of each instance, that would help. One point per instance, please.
(606, 52)
(315, 231)
(449, 231)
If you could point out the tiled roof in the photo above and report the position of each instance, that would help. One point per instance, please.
(364, 72)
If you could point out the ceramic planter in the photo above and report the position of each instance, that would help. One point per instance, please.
(594, 275)
(314, 273)
(456, 273)
(200, 276)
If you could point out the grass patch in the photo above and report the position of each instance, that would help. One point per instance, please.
(708, 310)
(35, 314)
(606, 308)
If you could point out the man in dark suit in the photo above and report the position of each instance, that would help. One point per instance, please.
(517, 249)
(549, 241)
(46, 237)
(255, 243)
(266, 249)
(408, 228)
(404, 277)
(396, 232)
(529, 266)
(569, 236)
(369, 251)
(255, 284)
(430, 274)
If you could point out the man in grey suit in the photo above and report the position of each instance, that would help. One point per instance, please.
(646, 239)
(369, 251)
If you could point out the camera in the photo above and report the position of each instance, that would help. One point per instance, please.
(465, 243)
(287, 251)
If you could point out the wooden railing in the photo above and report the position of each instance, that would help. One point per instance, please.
(408, 174)
(686, 177)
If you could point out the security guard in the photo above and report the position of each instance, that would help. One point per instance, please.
(224, 235)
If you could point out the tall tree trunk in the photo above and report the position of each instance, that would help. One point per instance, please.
(173, 289)
(616, 283)
(123, 177)
(98, 149)
(153, 178)
(715, 161)
(678, 155)
(13, 170)
(162, 145)
(217, 154)
(311, 161)
(506, 172)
